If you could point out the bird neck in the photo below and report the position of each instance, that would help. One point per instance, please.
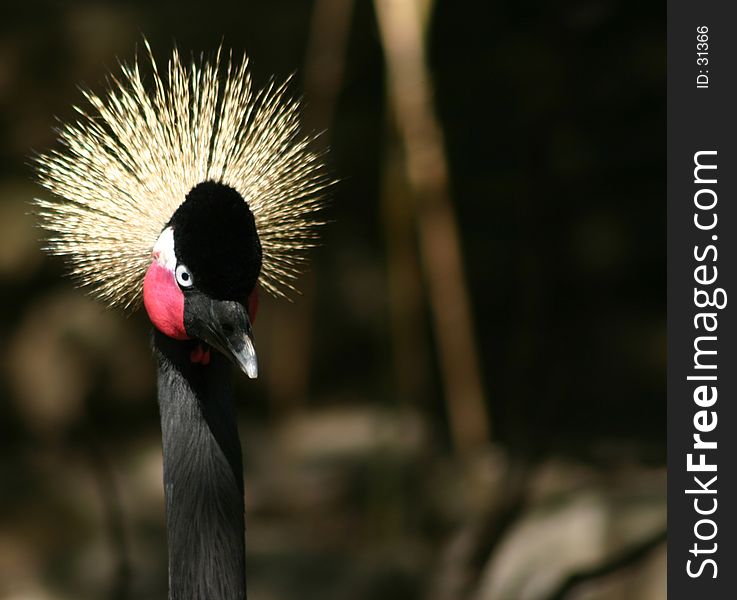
(203, 474)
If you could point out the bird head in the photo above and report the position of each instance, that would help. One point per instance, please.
(201, 283)
(190, 195)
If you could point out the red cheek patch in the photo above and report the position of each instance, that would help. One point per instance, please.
(164, 301)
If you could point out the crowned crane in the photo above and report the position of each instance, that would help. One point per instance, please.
(189, 196)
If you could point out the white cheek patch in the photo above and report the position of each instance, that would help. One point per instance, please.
(164, 249)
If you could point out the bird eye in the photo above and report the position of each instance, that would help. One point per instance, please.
(184, 277)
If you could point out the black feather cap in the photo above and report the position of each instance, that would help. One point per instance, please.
(215, 237)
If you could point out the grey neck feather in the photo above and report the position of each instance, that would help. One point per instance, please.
(203, 475)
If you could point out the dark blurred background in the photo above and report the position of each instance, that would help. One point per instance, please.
(468, 398)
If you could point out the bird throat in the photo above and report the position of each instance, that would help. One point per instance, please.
(203, 479)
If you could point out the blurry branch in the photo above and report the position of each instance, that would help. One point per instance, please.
(623, 560)
(293, 323)
(406, 315)
(400, 26)
(325, 62)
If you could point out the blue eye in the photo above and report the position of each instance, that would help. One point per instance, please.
(184, 277)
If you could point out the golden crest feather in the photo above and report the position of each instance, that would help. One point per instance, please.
(126, 165)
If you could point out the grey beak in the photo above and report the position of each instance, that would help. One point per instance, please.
(224, 325)
(246, 357)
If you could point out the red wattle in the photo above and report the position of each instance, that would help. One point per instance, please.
(200, 355)
(164, 301)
